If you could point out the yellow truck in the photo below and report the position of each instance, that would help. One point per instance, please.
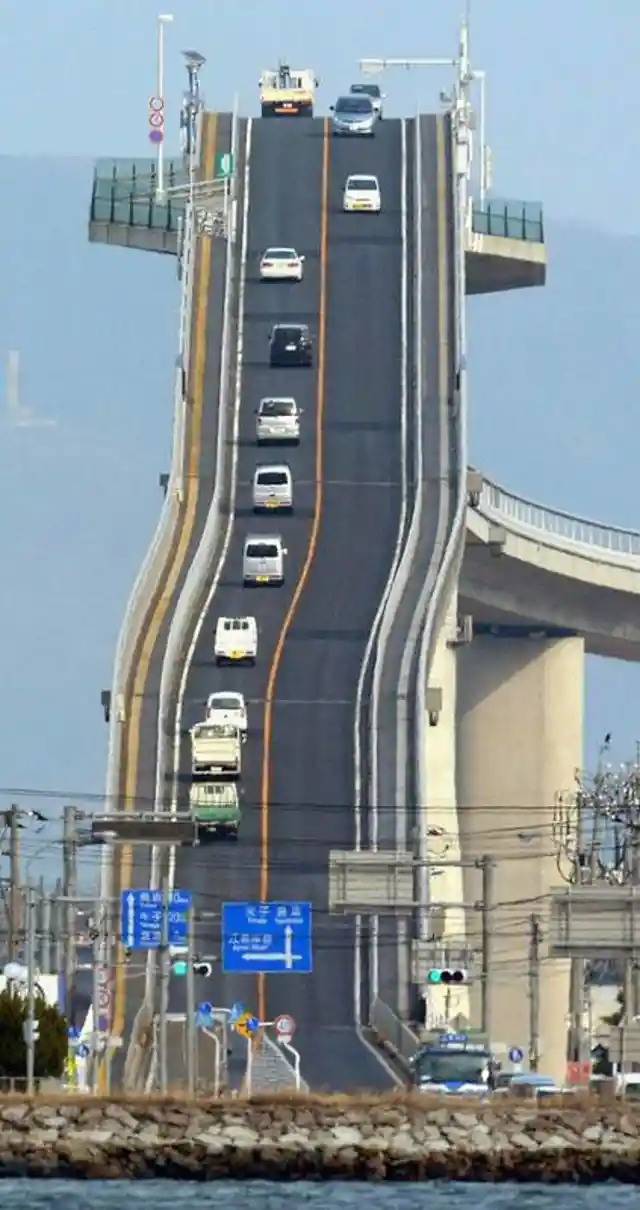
(288, 92)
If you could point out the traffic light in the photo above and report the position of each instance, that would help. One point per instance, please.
(203, 968)
(449, 978)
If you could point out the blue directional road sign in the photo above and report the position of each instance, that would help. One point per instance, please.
(83, 1051)
(267, 938)
(141, 913)
(516, 1055)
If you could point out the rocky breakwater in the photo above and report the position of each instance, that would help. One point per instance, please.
(293, 1138)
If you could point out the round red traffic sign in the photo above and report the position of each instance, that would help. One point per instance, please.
(156, 119)
(156, 104)
(285, 1028)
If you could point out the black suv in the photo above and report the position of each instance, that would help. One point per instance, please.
(290, 345)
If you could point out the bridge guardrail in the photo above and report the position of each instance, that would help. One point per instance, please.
(392, 1033)
(528, 515)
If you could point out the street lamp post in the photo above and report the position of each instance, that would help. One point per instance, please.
(163, 19)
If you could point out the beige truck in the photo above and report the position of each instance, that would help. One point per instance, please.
(216, 751)
(288, 92)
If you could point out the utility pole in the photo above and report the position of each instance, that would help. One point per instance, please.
(15, 890)
(192, 1041)
(30, 1024)
(95, 999)
(487, 943)
(69, 885)
(534, 991)
(165, 973)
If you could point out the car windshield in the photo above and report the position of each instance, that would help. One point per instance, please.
(277, 407)
(366, 184)
(367, 90)
(225, 702)
(262, 550)
(442, 1066)
(213, 731)
(272, 478)
(288, 335)
(354, 105)
(280, 254)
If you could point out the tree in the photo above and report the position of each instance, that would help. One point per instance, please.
(616, 1017)
(51, 1046)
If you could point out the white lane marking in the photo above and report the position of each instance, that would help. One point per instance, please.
(234, 476)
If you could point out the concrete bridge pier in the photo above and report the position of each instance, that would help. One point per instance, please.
(519, 741)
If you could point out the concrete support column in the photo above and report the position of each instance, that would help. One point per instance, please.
(441, 823)
(519, 742)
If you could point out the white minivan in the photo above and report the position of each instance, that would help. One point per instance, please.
(263, 559)
(272, 488)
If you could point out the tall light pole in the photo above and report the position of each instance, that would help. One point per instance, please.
(163, 19)
(465, 76)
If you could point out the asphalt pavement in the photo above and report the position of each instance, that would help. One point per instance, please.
(289, 827)
(285, 208)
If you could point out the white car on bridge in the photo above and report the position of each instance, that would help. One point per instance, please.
(227, 709)
(362, 193)
(281, 264)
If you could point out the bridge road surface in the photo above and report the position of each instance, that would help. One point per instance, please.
(436, 344)
(350, 297)
(137, 784)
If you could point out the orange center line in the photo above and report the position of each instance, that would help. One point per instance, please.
(265, 782)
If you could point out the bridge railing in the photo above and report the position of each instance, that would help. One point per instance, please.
(519, 513)
(509, 219)
(393, 1033)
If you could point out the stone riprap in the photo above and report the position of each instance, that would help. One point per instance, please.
(317, 1138)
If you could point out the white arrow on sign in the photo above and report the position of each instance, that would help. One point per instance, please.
(288, 957)
(285, 1028)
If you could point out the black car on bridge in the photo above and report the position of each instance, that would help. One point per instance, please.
(290, 345)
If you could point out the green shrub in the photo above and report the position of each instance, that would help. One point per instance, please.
(51, 1046)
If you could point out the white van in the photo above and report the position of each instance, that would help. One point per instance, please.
(236, 641)
(263, 559)
(272, 488)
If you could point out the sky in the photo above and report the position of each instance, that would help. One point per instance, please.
(554, 376)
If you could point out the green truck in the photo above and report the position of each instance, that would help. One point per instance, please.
(216, 809)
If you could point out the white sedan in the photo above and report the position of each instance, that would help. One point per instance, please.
(362, 193)
(281, 264)
(227, 708)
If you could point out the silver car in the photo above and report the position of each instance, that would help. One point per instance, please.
(354, 114)
(370, 90)
(263, 559)
(278, 422)
(272, 488)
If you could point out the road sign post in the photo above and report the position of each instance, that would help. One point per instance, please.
(285, 1028)
(267, 938)
(156, 120)
(142, 919)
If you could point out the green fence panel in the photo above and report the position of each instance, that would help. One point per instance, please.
(123, 192)
(510, 220)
